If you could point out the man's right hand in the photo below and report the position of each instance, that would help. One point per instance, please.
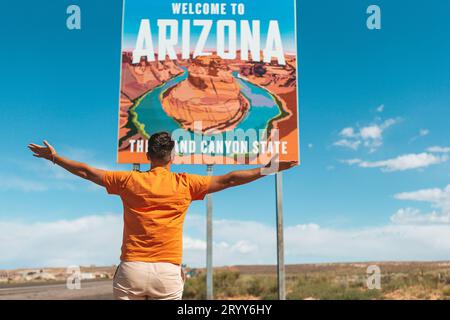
(277, 166)
(46, 152)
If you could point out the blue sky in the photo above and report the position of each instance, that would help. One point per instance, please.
(372, 104)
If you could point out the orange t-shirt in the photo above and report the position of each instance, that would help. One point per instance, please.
(155, 203)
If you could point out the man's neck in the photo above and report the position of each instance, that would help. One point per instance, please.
(158, 165)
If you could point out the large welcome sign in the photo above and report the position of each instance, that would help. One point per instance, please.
(221, 77)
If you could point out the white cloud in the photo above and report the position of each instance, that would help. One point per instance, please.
(371, 132)
(415, 217)
(351, 161)
(193, 244)
(380, 108)
(351, 144)
(438, 149)
(434, 195)
(422, 133)
(9, 183)
(390, 242)
(370, 136)
(347, 132)
(96, 240)
(401, 163)
(307, 243)
(438, 198)
(88, 240)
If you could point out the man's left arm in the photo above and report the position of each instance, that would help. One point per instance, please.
(239, 177)
(77, 168)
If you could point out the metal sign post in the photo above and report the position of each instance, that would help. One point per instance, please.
(209, 243)
(280, 240)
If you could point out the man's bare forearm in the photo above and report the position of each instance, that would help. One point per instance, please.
(238, 177)
(77, 168)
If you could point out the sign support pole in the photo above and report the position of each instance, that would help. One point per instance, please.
(280, 240)
(209, 242)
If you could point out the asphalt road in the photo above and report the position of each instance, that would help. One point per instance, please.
(90, 290)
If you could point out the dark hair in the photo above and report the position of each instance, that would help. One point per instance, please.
(160, 146)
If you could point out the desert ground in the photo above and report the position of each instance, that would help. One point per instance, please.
(336, 281)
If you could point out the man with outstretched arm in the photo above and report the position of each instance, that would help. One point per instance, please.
(155, 204)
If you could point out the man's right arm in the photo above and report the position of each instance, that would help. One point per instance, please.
(239, 177)
(77, 168)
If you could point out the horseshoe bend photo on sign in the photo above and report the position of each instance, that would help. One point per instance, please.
(221, 77)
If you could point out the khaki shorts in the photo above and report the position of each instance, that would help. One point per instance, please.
(148, 281)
